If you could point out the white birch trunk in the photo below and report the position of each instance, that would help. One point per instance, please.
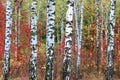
(33, 41)
(7, 39)
(79, 37)
(76, 24)
(97, 34)
(68, 40)
(62, 28)
(110, 48)
(77, 34)
(80, 32)
(50, 39)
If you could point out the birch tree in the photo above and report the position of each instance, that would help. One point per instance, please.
(50, 39)
(62, 21)
(7, 39)
(110, 47)
(79, 31)
(77, 34)
(97, 34)
(62, 27)
(17, 27)
(106, 22)
(33, 41)
(119, 40)
(15, 11)
(80, 28)
(68, 40)
(102, 26)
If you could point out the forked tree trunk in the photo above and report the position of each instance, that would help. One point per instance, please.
(7, 39)
(68, 40)
(79, 32)
(33, 41)
(110, 47)
(50, 39)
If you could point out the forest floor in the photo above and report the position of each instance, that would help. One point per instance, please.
(87, 77)
(19, 70)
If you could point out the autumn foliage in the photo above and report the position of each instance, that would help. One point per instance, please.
(20, 68)
(2, 29)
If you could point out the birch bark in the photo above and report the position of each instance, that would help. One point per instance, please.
(33, 41)
(77, 34)
(68, 40)
(97, 34)
(50, 39)
(110, 47)
(80, 32)
(7, 39)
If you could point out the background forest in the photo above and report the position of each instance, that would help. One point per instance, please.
(87, 60)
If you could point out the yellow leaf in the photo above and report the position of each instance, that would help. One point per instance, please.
(44, 67)
(91, 38)
(115, 69)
